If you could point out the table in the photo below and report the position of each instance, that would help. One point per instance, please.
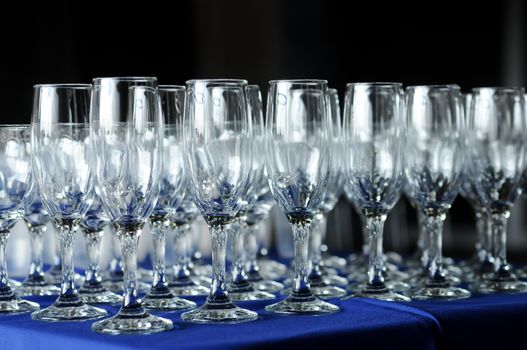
(490, 321)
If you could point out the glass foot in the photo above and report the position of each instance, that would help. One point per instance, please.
(272, 270)
(117, 286)
(188, 289)
(100, 297)
(335, 280)
(17, 306)
(166, 302)
(379, 293)
(14, 283)
(202, 270)
(446, 293)
(335, 262)
(267, 286)
(37, 289)
(490, 286)
(53, 278)
(302, 305)
(323, 292)
(143, 323)
(219, 312)
(68, 310)
(251, 295)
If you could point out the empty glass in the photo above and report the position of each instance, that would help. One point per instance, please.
(127, 134)
(319, 280)
(171, 193)
(60, 162)
(433, 169)
(373, 158)
(261, 201)
(298, 160)
(217, 164)
(497, 132)
(240, 288)
(15, 197)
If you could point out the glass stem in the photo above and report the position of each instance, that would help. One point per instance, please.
(218, 230)
(251, 247)
(315, 275)
(159, 228)
(36, 273)
(66, 229)
(129, 238)
(499, 231)
(422, 240)
(4, 279)
(301, 233)
(93, 244)
(365, 236)
(481, 244)
(181, 271)
(375, 226)
(238, 257)
(434, 227)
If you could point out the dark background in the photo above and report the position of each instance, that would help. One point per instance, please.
(472, 43)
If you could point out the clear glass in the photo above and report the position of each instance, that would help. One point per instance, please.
(217, 163)
(36, 218)
(319, 281)
(239, 287)
(171, 193)
(373, 130)
(298, 159)
(127, 134)
(15, 197)
(181, 221)
(497, 131)
(60, 162)
(433, 172)
(92, 226)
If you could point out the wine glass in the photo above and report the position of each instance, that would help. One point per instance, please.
(240, 288)
(320, 282)
(433, 172)
(373, 159)
(36, 218)
(217, 164)
(15, 197)
(60, 161)
(497, 132)
(171, 193)
(298, 159)
(127, 134)
(92, 225)
(261, 201)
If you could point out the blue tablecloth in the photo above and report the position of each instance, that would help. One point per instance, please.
(480, 322)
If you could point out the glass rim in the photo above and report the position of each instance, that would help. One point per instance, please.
(516, 89)
(376, 84)
(253, 86)
(447, 87)
(298, 81)
(171, 87)
(125, 78)
(332, 91)
(217, 81)
(64, 86)
(15, 126)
